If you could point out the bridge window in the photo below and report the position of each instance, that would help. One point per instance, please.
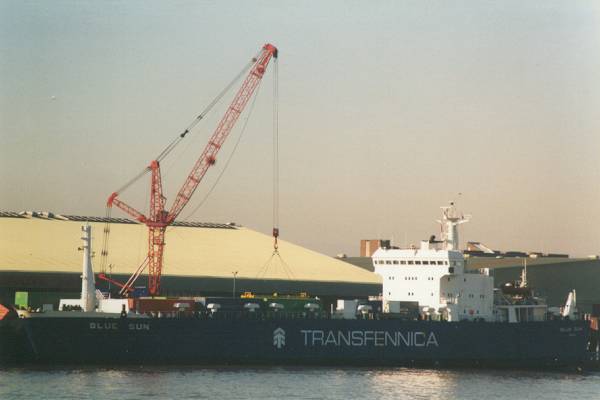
(395, 261)
(418, 262)
(425, 262)
(410, 262)
(445, 262)
(388, 262)
(403, 262)
(440, 263)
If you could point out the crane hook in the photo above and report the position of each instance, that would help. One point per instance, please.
(275, 236)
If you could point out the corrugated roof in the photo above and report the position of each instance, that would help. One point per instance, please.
(80, 218)
(509, 262)
(10, 214)
(193, 249)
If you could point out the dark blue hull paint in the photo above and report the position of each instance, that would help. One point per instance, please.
(303, 342)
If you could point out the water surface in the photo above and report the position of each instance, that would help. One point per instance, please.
(293, 383)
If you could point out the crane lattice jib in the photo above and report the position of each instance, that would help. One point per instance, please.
(138, 216)
(158, 218)
(208, 156)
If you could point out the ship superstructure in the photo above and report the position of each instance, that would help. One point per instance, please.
(433, 277)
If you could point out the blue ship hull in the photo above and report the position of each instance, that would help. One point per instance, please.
(115, 341)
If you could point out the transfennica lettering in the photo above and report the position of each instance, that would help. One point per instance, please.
(369, 338)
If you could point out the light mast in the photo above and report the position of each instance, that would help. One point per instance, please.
(88, 284)
(451, 218)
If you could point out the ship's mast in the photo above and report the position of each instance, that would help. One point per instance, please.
(88, 284)
(451, 218)
(523, 283)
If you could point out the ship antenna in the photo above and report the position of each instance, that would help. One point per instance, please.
(449, 224)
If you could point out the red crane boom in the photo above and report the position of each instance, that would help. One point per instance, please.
(158, 218)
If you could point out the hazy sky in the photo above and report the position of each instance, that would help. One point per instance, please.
(387, 111)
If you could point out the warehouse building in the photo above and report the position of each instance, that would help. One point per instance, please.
(39, 255)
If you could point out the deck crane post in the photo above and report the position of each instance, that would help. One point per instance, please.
(159, 218)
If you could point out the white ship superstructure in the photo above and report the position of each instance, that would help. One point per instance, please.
(433, 276)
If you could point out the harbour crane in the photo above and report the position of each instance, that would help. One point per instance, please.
(158, 218)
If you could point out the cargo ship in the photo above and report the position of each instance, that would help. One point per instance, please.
(431, 312)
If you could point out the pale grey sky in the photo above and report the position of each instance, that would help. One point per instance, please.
(387, 110)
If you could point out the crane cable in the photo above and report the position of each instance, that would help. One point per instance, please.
(191, 126)
(275, 255)
(265, 267)
(195, 122)
(105, 235)
(216, 182)
(163, 154)
(275, 155)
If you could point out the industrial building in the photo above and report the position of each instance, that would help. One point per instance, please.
(39, 255)
(550, 277)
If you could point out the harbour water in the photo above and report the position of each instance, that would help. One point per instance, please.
(293, 383)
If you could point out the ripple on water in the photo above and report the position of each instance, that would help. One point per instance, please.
(292, 383)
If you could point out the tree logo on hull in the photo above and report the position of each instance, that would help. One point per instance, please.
(279, 338)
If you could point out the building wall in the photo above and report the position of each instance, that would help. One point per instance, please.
(41, 254)
(369, 246)
(41, 245)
